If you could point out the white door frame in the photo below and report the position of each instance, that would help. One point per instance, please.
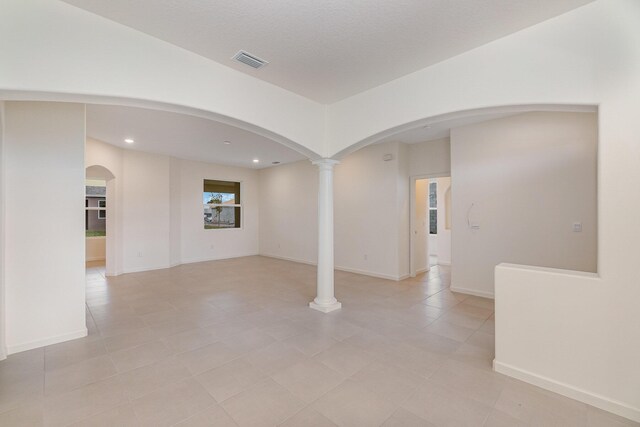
(412, 217)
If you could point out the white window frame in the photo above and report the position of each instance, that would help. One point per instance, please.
(102, 209)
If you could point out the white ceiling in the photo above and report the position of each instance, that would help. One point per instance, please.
(184, 136)
(331, 49)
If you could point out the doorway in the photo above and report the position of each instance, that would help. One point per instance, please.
(430, 223)
(100, 219)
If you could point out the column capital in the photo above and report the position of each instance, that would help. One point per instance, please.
(325, 164)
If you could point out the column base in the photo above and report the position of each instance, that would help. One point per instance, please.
(325, 308)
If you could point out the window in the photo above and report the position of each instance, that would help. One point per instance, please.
(222, 206)
(433, 207)
(102, 213)
(95, 214)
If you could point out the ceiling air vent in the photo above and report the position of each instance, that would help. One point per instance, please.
(250, 60)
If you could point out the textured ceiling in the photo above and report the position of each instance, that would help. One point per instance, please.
(184, 136)
(332, 49)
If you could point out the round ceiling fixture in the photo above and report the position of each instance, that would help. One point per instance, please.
(227, 142)
(275, 163)
(256, 161)
(129, 140)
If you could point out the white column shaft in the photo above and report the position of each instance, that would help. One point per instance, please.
(325, 300)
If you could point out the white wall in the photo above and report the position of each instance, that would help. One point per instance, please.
(198, 244)
(371, 211)
(175, 211)
(431, 158)
(585, 341)
(159, 216)
(3, 346)
(444, 233)
(72, 51)
(145, 211)
(524, 180)
(44, 172)
(106, 160)
(289, 211)
(586, 57)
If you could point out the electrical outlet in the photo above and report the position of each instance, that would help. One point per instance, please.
(140, 254)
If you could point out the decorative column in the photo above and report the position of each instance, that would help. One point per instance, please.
(325, 301)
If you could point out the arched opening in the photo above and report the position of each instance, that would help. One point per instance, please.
(100, 220)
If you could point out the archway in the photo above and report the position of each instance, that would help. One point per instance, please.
(102, 174)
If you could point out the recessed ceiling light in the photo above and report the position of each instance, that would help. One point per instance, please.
(227, 142)
(129, 141)
(275, 163)
(256, 160)
(426, 127)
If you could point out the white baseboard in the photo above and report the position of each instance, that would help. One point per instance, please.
(346, 269)
(373, 274)
(567, 390)
(284, 258)
(473, 292)
(187, 261)
(17, 348)
(142, 269)
(422, 270)
(219, 258)
(94, 259)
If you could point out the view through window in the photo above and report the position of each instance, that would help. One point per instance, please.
(95, 212)
(222, 207)
(433, 207)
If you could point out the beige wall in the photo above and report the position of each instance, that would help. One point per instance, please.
(523, 180)
(95, 249)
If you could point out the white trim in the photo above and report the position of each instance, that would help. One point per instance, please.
(100, 258)
(17, 348)
(422, 270)
(143, 269)
(284, 258)
(599, 401)
(345, 269)
(205, 259)
(473, 292)
(373, 274)
(176, 264)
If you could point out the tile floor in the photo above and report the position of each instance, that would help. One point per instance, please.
(232, 342)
